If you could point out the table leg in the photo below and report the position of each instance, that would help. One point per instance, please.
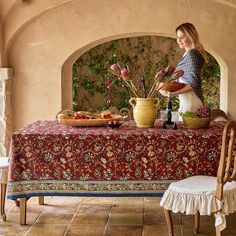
(41, 200)
(23, 206)
(3, 199)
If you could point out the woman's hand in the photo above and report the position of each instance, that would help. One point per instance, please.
(164, 92)
(159, 85)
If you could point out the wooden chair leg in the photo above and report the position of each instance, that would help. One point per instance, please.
(218, 232)
(41, 200)
(196, 222)
(169, 222)
(23, 208)
(3, 199)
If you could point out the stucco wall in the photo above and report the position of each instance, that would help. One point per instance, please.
(42, 47)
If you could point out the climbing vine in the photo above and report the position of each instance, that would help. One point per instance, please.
(146, 55)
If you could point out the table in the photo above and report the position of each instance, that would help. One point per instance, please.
(49, 158)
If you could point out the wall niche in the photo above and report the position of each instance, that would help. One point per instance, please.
(94, 87)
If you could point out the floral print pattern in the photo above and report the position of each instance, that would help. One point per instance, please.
(50, 158)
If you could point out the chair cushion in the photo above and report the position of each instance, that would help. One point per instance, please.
(4, 162)
(197, 194)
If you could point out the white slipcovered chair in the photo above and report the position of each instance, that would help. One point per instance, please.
(4, 165)
(207, 195)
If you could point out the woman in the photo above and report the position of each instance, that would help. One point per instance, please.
(190, 96)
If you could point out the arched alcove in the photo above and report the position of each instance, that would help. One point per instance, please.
(166, 47)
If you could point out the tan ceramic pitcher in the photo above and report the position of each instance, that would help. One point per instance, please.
(144, 111)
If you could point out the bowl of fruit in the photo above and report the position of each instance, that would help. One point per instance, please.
(199, 119)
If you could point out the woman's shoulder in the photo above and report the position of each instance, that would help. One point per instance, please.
(193, 51)
(194, 54)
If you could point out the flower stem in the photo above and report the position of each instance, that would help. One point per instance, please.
(144, 88)
(130, 87)
(157, 90)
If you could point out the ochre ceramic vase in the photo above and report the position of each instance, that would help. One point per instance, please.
(144, 111)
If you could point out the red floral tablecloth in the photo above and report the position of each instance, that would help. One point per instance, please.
(49, 158)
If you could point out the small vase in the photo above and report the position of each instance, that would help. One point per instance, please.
(144, 111)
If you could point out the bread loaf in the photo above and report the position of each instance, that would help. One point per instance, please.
(106, 114)
(63, 116)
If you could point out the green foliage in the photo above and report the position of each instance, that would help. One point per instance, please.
(188, 114)
(145, 55)
(211, 83)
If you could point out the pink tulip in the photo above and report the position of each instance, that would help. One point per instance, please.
(179, 73)
(160, 74)
(169, 70)
(125, 73)
(115, 67)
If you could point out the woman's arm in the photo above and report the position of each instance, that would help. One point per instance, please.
(185, 89)
(159, 85)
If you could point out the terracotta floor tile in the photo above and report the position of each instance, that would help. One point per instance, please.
(152, 200)
(158, 218)
(98, 200)
(125, 219)
(128, 200)
(92, 216)
(54, 218)
(153, 219)
(160, 230)
(189, 220)
(13, 230)
(231, 219)
(47, 199)
(124, 208)
(9, 204)
(229, 231)
(61, 200)
(35, 200)
(31, 208)
(90, 219)
(61, 209)
(151, 209)
(85, 230)
(14, 218)
(117, 230)
(204, 231)
(47, 230)
(91, 208)
(207, 227)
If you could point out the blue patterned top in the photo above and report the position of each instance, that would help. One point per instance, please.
(192, 63)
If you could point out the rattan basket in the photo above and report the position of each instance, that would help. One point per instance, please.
(196, 123)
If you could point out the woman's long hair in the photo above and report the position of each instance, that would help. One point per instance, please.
(191, 32)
